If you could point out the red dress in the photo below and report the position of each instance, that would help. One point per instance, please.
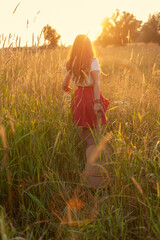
(82, 107)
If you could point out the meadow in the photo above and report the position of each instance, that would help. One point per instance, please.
(42, 156)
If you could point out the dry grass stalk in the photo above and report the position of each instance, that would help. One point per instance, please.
(3, 137)
(100, 147)
(55, 144)
(16, 8)
(159, 162)
(5, 156)
(158, 190)
(11, 122)
(138, 186)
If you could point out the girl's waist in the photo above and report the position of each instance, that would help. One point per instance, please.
(85, 87)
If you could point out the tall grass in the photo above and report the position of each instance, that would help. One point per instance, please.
(42, 154)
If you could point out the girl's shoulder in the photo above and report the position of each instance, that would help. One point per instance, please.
(94, 65)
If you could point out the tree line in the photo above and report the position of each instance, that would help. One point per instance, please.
(119, 29)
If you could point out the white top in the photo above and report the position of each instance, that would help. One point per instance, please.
(94, 67)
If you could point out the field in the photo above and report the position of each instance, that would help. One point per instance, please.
(42, 156)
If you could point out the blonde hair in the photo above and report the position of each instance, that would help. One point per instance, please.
(80, 57)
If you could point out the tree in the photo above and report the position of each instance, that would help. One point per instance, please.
(130, 27)
(106, 37)
(150, 31)
(119, 29)
(51, 36)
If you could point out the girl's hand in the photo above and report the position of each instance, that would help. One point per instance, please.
(98, 108)
(68, 90)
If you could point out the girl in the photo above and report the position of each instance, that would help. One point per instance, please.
(83, 69)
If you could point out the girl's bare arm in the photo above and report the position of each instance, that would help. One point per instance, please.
(95, 77)
(66, 81)
(97, 106)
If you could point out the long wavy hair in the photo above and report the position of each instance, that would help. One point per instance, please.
(80, 57)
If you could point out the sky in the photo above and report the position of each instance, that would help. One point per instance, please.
(68, 17)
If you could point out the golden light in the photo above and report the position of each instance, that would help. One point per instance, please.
(69, 18)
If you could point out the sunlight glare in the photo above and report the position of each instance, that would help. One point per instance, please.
(69, 18)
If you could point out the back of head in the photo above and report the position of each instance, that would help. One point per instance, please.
(80, 58)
